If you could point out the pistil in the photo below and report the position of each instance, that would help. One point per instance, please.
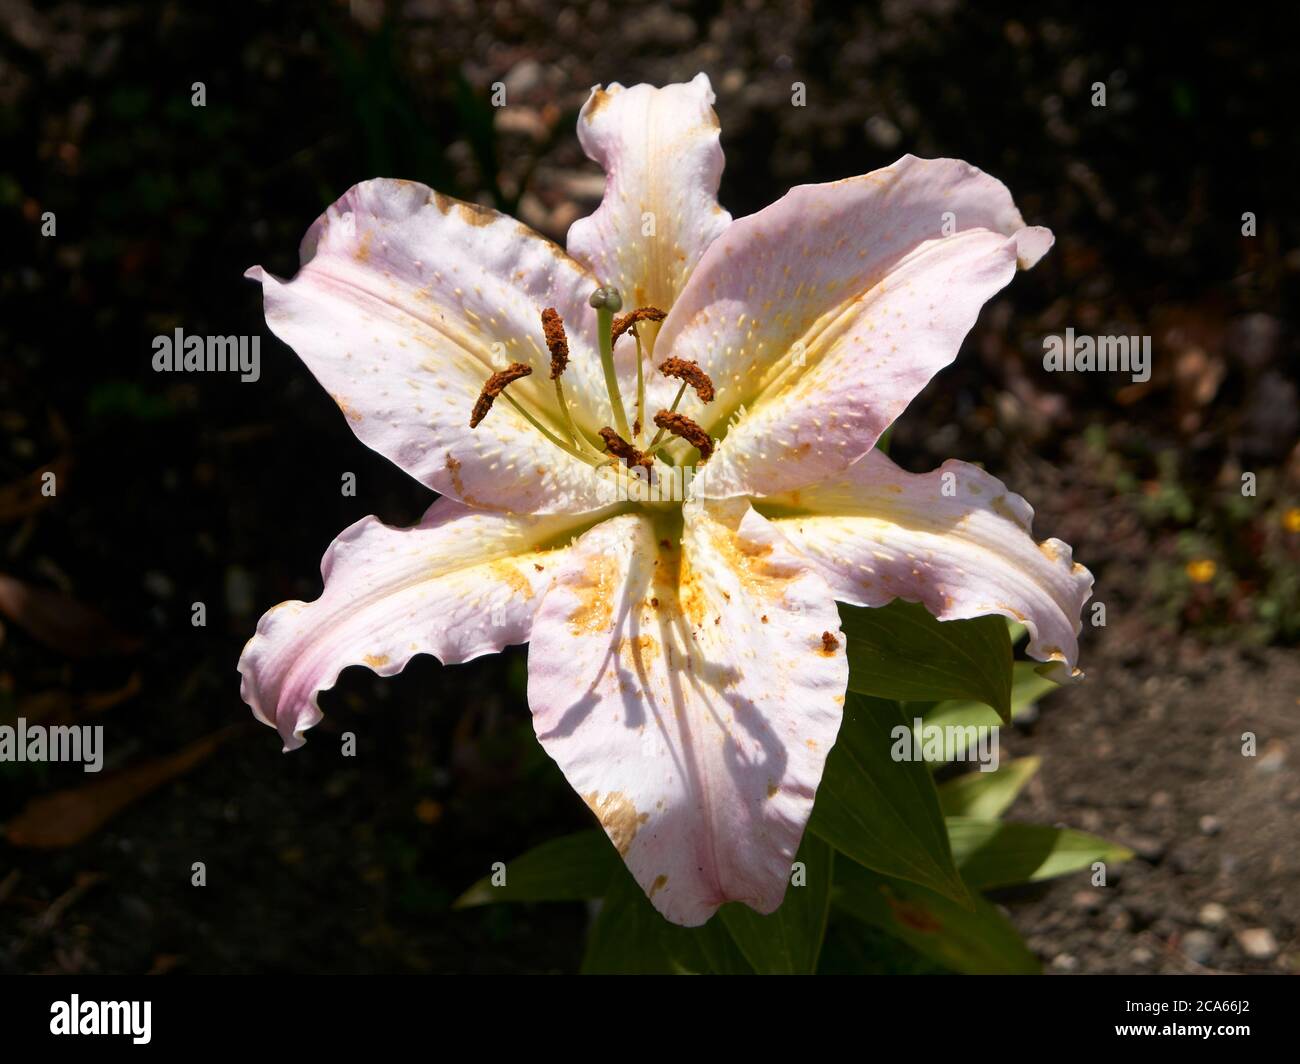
(607, 302)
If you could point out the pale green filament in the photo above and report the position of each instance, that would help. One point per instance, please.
(567, 447)
(654, 444)
(579, 440)
(640, 384)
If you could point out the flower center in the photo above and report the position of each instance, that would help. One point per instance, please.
(620, 442)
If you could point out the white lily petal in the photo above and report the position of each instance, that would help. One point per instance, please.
(405, 303)
(660, 150)
(459, 584)
(691, 694)
(954, 539)
(827, 312)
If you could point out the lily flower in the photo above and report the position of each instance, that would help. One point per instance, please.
(686, 667)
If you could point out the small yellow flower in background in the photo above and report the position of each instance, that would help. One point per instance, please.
(1201, 571)
(427, 811)
(1291, 519)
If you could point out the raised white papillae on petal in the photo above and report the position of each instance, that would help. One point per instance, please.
(824, 314)
(459, 584)
(690, 691)
(406, 302)
(954, 539)
(662, 159)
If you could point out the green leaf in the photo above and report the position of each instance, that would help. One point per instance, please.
(1027, 687)
(978, 942)
(789, 941)
(880, 812)
(986, 795)
(901, 652)
(630, 938)
(571, 868)
(991, 853)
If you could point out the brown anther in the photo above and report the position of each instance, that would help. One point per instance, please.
(684, 428)
(556, 340)
(496, 384)
(616, 445)
(622, 324)
(829, 643)
(691, 373)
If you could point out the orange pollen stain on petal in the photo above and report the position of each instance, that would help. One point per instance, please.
(599, 98)
(453, 467)
(509, 574)
(376, 661)
(829, 644)
(348, 411)
(595, 610)
(618, 816)
(640, 649)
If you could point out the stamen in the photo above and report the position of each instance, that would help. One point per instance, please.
(654, 443)
(616, 445)
(691, 373)
(556, 341)
(621, 325)
(496, 384)
(684, 428)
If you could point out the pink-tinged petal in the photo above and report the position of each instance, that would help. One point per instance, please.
(824, 314)
(459, 584)
(690, 691)
(662, 159)
(954, 539)
(405, 303)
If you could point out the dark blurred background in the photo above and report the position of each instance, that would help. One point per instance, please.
(181, 489)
